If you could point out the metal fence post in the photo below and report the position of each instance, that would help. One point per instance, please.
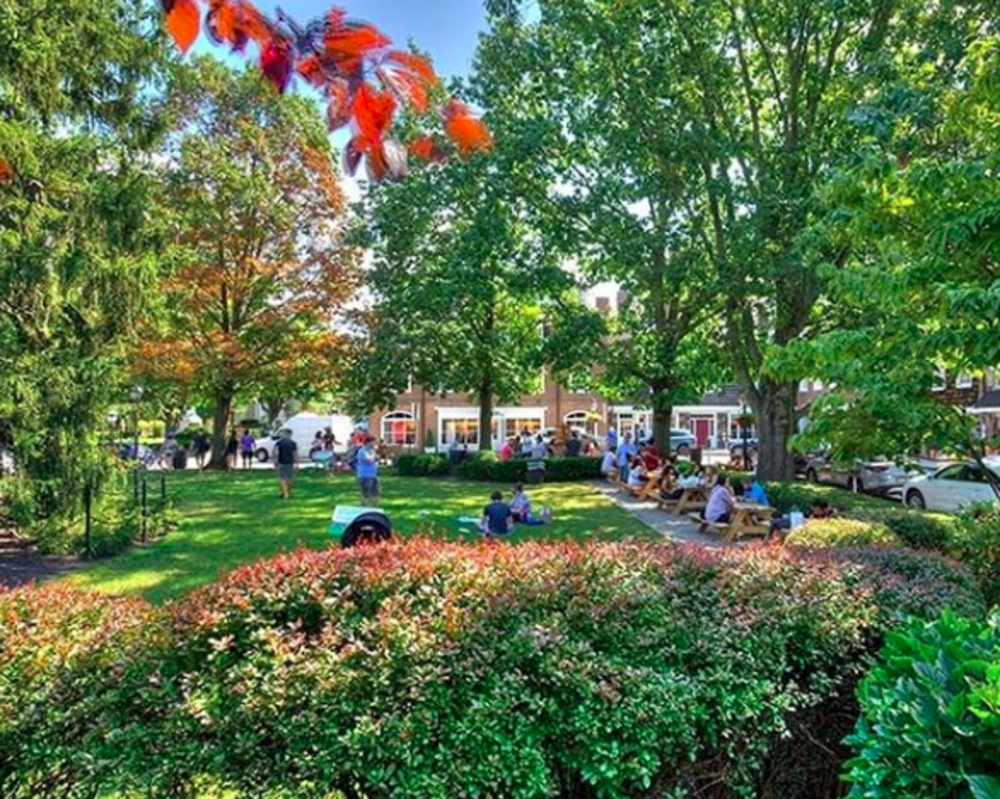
(145, 510)
(88, 518)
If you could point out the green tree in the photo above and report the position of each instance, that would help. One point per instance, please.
(920, 292)
(604, 164)
(77, 240)
(260, 270)
(460, 284)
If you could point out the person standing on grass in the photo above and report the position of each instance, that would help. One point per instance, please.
(232, 450)
(626, 451)
(367, 471)
(286, 462)
(247, 445)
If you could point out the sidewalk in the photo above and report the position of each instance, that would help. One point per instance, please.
(677, 528)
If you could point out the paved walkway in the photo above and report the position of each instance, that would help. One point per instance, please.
(669, 525)
(20, 563)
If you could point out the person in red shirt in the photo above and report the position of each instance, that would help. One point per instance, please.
(650, 458)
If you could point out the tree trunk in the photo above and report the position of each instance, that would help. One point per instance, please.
(486, 415)
(662, 423)
(223, 407)
(775, 412)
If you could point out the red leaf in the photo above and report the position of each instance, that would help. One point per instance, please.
(254, 24)
(225, 24)
(311, 69)
(276, 63)
(406, 86)
(183, 21)
(352, 156)
(416, 64)
(372, 112)
(347, 44)
(338, 112)
(426, 149)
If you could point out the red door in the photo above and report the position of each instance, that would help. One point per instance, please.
(702, 431)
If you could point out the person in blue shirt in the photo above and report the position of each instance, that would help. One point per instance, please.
(497, 517)
(612, 439)
(757, 494)
(626, 451)
(367, 471)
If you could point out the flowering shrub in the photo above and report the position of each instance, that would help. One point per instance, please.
(71, 668)
(842, 533)
(930, 727)
(428, 669)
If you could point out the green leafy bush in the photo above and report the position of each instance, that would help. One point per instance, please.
(930, 727)
(976, 542)
(918, 529)
(427, 669)
(422, 465)
(842, 533)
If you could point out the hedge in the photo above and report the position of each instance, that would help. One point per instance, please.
(841, 533)
(427, 669)
(422, 465)
(930, 727)
(486, 467)
(918, 529)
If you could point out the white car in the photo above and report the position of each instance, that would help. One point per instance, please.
(951, 488)
(304, 427)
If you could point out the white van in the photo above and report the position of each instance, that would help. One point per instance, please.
(304, 427)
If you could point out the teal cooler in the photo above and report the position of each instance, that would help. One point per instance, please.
(352, 525)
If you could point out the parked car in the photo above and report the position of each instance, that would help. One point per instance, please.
(736, 446)
(304, 427)
(951, 488)
(863, 477)
(682, 442)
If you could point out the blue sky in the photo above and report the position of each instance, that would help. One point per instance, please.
(446, 29)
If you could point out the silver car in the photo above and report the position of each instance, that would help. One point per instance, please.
(880, 477)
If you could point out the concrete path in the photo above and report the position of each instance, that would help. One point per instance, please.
(677, 528)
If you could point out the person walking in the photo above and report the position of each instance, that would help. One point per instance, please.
(286, 462)
(232, 448)
(367, 471)
(247, 445)
(201, 446)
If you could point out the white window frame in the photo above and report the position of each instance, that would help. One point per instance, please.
(399, 416)
(965, 381)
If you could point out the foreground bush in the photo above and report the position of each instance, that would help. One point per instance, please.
(842, 533)
(423, 669)
(976, 543)
(931, 715)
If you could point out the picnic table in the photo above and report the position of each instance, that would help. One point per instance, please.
(651, 490)
(692, 498)
(748, 518)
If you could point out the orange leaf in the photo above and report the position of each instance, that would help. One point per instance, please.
(7, 173)
(406, 86)
(348, 43)
(254, 24)
(311, 68)
(469, 133)
(183, 21)
(416, 64)
(426, 149)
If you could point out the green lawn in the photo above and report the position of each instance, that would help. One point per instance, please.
(231, 519)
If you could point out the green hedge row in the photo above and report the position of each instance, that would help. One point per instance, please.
(486, 467)
(425, 669)
(422, 465)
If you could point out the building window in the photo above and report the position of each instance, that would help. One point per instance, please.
(460, 431)
(513, 426)
(964, 381)
(399, 429)
(804, 386)
(940, 380)
(625, 422)
(582, 420)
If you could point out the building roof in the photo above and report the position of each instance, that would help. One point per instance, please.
(990, 401)
(727, 396)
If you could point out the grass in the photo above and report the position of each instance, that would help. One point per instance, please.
(231, 519)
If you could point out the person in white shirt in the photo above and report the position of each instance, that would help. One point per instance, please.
(609, 463)
(720, 502)
(636, 474)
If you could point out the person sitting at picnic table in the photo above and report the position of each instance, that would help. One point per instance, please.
(507, 450)
(626, 450)
(636, 473)
(694, 480)
(574, 446)
(820, 510)
(755, 493)
(497, 518)
(318, 444)
(651, 458)
(720, 502)
(520, 508)
(609, 464)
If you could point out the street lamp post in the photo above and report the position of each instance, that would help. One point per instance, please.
(135, 395)
(747, 463)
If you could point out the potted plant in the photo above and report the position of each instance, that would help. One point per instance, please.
(744, 420)
(430, 442)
